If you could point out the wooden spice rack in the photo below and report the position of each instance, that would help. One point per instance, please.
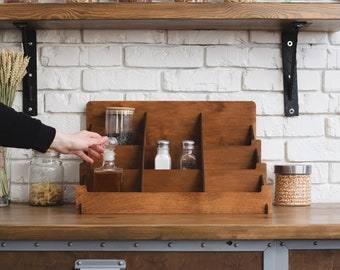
(230, 177)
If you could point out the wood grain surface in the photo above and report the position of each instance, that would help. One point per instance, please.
(241, 16)
(23, 222)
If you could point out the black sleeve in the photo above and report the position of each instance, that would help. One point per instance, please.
(22, 131)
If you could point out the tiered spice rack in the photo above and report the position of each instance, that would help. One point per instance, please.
(230, 177)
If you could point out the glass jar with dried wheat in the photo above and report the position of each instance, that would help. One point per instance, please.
(12, 70)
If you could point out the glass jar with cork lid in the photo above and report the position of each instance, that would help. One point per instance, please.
(119, 124)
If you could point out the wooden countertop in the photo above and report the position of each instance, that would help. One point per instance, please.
(23, 222)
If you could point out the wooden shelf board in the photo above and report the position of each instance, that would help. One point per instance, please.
(238, 16)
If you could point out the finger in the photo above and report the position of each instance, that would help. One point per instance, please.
(84, 157)
(94, 153)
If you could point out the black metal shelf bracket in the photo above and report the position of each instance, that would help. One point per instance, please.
(289, 44)
(29, 41)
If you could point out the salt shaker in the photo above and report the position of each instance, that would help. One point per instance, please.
(163, 158)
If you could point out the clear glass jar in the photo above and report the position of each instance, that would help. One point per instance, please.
(108, 178)
(119, 124)
(188, 159)
(46, 179)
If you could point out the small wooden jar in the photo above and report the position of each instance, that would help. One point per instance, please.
(292, 185)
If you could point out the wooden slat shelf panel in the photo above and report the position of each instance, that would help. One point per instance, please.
(258, 16)
(23, 222)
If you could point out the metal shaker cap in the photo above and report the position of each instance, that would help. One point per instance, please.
(188, 144)
(163, 144)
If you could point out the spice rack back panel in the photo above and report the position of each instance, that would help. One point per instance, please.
(229, 178)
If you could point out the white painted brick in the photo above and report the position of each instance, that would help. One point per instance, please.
(265, 37)
(19, 171)
(333, 127)
(177, 97)
(59, 36)
(272, 149)
(161, 56)
(121, 79)
(319, 173)
(124, 36)
(262, 80)
(332, 81)
(69, 193)
(12, 36)
(67, 123)
(303, 126)
(309, 80)
(317, 38)
(306, 149)
(332, 58)
(192, 80)
(60, 56)
(270, 126)
(71, 171)
(226, 56)
(270, 175)
(19, 193)
(110, 95)
(59, 79)
(334, 173)
(267, 103)
(313, 103)
(313, 58)
(205, 37)
(102, 56)
(290, 127)
(59, 102)
(20, 154)
(98, 71)
(334, 38)
(265, 58)
(325, 193)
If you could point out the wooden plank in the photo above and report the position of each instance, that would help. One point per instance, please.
(173, 202)
(24, 222)
(173, 181)
(235, 16)
(235, 180)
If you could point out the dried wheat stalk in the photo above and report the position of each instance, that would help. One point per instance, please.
(12, 71)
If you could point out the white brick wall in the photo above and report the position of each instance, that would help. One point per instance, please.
(76, 66)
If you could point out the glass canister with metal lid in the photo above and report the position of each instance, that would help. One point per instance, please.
(119, 124)
(292, 185)
(46, 179)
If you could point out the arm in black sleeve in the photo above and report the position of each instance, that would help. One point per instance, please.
(22, 131)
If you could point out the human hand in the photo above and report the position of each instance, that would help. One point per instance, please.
(79, 143)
